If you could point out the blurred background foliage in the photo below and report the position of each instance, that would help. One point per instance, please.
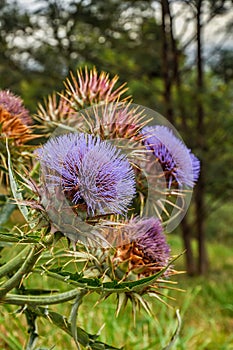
(176, 75)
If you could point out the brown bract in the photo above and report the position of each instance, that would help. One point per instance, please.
(12, 126)
(136, 260)
(14, 105)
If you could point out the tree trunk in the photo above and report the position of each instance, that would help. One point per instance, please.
(176, 75)
(185, 227)
(189, 258)
(166, 72)
(200, 189)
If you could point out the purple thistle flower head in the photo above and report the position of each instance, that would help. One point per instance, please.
(89, 172)
(179, 165)
(148, 251)
(14, 105)
(151, 240)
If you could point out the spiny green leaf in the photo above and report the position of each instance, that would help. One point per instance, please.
(121, 302)
(113, 286)
(87, 340)
(73, 316)
(6, 211)
(176, 333)
(32, 329)
(143, 302)
(14, 186)
(9, 237)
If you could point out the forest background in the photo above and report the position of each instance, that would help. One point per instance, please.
(176, 57)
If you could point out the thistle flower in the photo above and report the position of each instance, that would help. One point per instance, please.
(14, 105)
(56, 110)
(148, 251)
(89, 171)
(90, 88)
(14, 118)
(180, 166)
(114, 120)
(13, 127)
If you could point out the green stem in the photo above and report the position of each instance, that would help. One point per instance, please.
(33, 254)
(26, 267)
(16, 299)
(14, 263)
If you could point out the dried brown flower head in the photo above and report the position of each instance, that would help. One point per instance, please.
(11, 126)
(14, 105)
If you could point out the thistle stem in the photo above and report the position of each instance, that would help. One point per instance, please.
(14, 263)
(26, 267)
(29, 259)
(34, 300)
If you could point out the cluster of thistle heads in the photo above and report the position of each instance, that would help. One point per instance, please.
(101, 158)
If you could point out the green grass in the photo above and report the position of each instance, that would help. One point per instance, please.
(206, 309)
